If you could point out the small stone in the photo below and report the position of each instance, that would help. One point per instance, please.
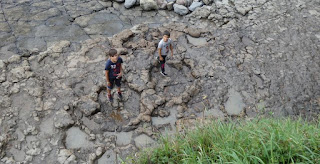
(92, 137)
(180, 115)
(163, 113)
(28, 158)
(48, 105)
(92, 156)
(134, 122)
(170, 6)
(146, 118)
(33, 152)
(14, 59)
(99, 151)
(36, 118)
(207, 2)
(66, 107)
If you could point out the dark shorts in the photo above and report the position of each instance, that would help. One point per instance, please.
(115, 81)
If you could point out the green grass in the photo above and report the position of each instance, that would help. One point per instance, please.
(258, 141)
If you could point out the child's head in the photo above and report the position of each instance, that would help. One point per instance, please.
(113, 55)
(166, 35)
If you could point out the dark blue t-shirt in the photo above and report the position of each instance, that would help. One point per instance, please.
(113, 68)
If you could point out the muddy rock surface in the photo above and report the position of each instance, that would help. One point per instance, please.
(231, 59)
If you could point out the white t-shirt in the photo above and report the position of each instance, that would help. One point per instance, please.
(165, 47)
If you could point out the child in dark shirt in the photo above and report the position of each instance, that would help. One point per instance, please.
(113, 72)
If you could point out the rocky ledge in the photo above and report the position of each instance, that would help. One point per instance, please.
(53, 106)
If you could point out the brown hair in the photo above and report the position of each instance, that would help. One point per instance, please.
(112, 52)
(166, 33)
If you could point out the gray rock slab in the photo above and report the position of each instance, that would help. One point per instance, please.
(90, 124)
(101, 23)
(4, 26)
(108, 157)
(197, 41)
(123, 138)
(31, 43)
(15, 13)
(215, 113)
(107, 28)
(47, 126)
(62, 31)
(171, 119)
(42, 16)
(25, 101)
(77, 139)
(143, 141)
(5, 51)
(234, 104)
(18, 155)
(82, 8)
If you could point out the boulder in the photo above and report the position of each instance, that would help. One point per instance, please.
(121, 37)
(201, 12)
(181, 10)
(148, 4)
(181, 2)
(162, 4)
(129, 3)
(195, 5)
(207, 2)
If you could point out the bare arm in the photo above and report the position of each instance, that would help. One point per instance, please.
(107, 76)
(171, 48)
(120, 74)
(160, 56)
(159, 52)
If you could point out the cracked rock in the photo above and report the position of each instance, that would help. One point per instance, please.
(62, 119)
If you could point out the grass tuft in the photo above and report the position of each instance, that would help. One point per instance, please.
(266, 140)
